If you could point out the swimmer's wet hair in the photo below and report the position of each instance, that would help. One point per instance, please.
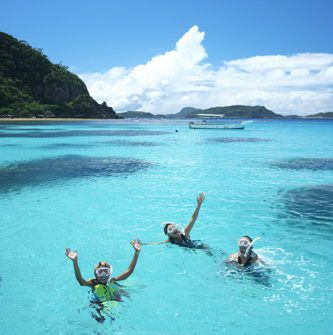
(248, 237)
(166, 228)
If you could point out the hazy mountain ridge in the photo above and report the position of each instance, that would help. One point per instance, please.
(140, 115)
(235, 111)
(238, 111)
(328, 115)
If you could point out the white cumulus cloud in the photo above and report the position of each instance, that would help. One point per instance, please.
(294, 84)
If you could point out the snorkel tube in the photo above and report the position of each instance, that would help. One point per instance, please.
(246, 253)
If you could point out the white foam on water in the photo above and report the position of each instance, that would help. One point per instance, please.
(247, 122)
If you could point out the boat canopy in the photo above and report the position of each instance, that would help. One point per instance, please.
(211, 115)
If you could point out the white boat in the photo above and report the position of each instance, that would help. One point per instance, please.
(206, 125)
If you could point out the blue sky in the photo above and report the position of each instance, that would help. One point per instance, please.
(98, 36)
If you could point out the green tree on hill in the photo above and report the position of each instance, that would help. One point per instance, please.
(30, 85)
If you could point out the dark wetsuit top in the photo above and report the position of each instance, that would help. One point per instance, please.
(248, 262)
(187, 242)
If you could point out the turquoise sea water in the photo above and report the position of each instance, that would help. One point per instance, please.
(93, 186)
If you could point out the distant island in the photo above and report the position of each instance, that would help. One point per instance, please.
(32, 86)
(236, 111)
(328, 115)
(140, 115)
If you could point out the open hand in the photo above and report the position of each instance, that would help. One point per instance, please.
(200, 198)
(71, 254)
(136, 245)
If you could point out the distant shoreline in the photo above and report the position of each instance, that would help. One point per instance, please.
(52, 119)
(146, 119)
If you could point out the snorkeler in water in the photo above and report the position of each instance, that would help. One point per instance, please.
(245, 256)
(181, 236)
(104, 286)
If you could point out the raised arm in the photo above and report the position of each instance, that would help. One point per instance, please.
(188, 228)
(72, 255)
(137, 247)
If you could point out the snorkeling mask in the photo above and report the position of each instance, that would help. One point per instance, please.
(173, 228)
(247, 244)
(103, 272)
(244, 243)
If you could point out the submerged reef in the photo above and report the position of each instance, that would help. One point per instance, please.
(126, 143)
(238, 139)
(305, 164)
(311, 203)
(41, 171)
(120, 143)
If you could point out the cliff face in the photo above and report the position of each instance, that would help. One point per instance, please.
(30, 85)
(59, 86)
